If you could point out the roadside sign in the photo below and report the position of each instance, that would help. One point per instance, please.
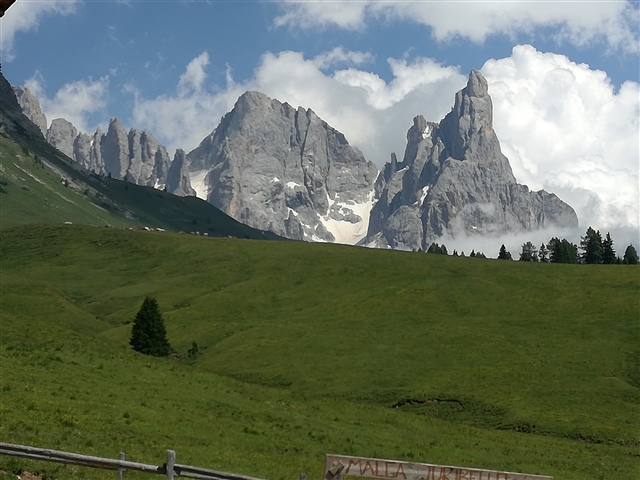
(337, 466)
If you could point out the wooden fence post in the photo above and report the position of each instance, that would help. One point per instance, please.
(171, 461)
(121, 470)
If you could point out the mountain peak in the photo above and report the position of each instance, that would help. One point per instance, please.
(284, 169)
(477, 85)
(456, 181)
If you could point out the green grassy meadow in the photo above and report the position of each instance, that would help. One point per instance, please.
(308, 349)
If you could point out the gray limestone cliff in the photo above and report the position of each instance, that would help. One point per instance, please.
(115, 150)
(134, 156)
(31, 107)
(87, 151)
(11, 117)
(178, 181)
(61, 135)
(283, 169)
(454, 180)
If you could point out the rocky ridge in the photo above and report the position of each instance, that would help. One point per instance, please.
(454, 180)
(283, 169)
(31, 107)
(134, 156)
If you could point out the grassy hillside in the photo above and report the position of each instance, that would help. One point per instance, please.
(38, 184)
(307, 349)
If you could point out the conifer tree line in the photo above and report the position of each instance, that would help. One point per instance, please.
(442, 249)
(593, 249)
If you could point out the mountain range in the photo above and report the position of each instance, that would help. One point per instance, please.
(40, 184)
(283, 169)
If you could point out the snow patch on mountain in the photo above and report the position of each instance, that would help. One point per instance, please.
(345, 231)
(199, 184)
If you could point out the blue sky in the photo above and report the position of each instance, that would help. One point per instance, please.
(563, 75)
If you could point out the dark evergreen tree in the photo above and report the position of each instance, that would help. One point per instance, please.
(529, 253)
(480, 255)
(630, 256)
(435, 248)
(562, 251)
(543, 254)
(148, 334)
(473, 253)
(504, 253)
(455, 253)
(591, 246)
(608, 253)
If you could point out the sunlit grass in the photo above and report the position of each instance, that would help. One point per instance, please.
(305, 349)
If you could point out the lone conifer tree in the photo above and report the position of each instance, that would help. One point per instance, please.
(591, 244)
(529, 253)
(543, 253)
(148, 334)
(504, 254)
(562, 251)
(630, 256)
(608, 253)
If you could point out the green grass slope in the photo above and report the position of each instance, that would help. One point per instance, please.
(309, 349)
(38, 184)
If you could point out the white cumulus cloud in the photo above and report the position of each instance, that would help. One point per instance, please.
(580, 23)
(564, 128)
(74, 101)
(356, 102)
(24, 16)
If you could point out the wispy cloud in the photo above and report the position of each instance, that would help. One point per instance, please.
(579, 23)
(74, 101)
(24, 16)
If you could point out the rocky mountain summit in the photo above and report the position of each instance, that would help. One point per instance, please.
(454, 180)
(31, 107)
(282, 169)
(134, 156)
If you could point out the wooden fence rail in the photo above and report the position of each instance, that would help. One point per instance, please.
(170, 469)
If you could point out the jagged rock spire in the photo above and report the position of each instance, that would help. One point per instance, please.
(178, 181)
(31, 108)
(456, 181)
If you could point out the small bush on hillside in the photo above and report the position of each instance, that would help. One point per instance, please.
(148, 334)
(193, 351)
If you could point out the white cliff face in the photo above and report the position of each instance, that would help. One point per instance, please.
(61, 135)
(136, 157)
(31, 108)
(283, 169)
(455, 180)
(178, 181)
